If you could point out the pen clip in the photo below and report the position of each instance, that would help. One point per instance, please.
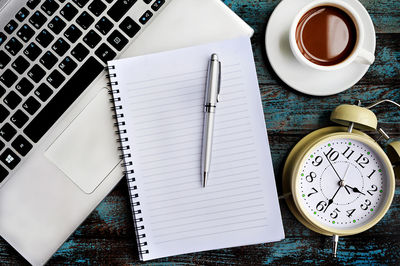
(219, 81)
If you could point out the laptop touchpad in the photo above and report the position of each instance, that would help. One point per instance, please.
(87, 149)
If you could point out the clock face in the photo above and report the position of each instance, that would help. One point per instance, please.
(343, 183)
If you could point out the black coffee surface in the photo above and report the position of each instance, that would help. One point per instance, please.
(326, 35)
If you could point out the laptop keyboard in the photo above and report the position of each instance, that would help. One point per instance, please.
(50, 52)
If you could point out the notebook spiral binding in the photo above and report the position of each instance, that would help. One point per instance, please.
(127, 162)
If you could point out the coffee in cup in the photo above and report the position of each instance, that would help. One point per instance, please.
(328, 35)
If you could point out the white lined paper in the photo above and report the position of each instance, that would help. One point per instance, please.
(162, 98)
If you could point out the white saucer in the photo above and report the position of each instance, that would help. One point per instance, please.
(302, 78)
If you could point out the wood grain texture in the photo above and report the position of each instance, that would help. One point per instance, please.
(107, 236)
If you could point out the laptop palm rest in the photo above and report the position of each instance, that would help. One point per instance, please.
(85, 150)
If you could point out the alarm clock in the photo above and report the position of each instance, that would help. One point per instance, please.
(338, 181)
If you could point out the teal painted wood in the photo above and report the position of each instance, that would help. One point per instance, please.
(107, 236)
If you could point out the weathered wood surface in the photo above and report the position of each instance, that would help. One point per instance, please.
(107, 236)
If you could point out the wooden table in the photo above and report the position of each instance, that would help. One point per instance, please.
(107, 236)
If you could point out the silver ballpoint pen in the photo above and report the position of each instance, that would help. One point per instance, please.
(213, 87)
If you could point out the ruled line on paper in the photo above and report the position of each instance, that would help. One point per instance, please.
(219, 232)
(206, 207)
(208, 220)
(206, 214)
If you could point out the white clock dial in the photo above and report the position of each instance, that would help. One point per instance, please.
(343, 183)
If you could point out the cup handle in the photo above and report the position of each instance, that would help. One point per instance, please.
(365, 57)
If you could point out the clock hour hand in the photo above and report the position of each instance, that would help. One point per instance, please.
(354, 189)
(331, 200)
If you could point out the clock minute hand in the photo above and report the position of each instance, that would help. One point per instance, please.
(333, 167)
(331, 200)
(356, 190)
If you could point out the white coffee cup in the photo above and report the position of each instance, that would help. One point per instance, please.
(359, 54)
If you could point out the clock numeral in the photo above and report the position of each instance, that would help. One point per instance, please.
(332, 155)
(366, 205)
(370, 175)
(310, 177)
(335, 213)
(321, 206)
(362, 162)
(348, 155)
(312, 193)
(318, 160)
(372, 190)
(350, 212)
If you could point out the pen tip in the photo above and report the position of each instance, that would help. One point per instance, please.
(214, 57)
(205, 175)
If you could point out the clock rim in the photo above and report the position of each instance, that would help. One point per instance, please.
(297, 157)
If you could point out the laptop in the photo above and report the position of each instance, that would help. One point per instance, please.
(58, 153)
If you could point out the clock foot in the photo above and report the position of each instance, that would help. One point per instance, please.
(335, 244)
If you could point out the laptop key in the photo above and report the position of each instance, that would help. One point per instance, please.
(31, 105)
(104, 25)
(25, 33)
(20, 64)
(19, 119)
(36, 73)
(12, 100)
(92, 39)
(68, 12)
(44, 38)
(60, 47)
(80, 3)
(4, 59)
(22, 14)
(147, 1)
(3, 38)
(13, 46)
(85, 20)
(55, 78)
(37, 19)
(80, 52)
(56, 24)
(117, 40)
(97, 7)
(21, 145)
(43, 92)
(10, 159)
(24, 86)
(48, 60)
(11, 26)
(4, 113)
(3, 173)
(8, 78)
(129, 26)
(44, 120)
(73, 33)
(105, 53)
(119, 9)
(146, 17)
(2, 92)
(32, 3)
(157, 5)
(50, 6)
(67, 65)
(32, 51)
(7, 132)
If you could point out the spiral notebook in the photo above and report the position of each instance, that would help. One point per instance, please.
(159, 102)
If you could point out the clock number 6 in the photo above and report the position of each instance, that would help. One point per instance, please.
(366, 205)
(321, 206)
(335, 213)
(310, 177)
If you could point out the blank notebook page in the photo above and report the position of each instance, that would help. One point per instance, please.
(162, 99)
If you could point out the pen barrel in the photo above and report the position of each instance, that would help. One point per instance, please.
(208, 131)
